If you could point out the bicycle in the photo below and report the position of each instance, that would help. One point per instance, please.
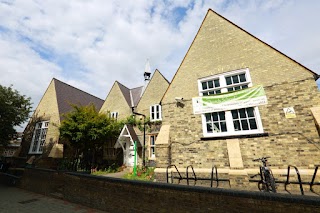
(267, 182)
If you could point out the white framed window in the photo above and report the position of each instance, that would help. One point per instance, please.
(231, 122)
(39, 137)
(114, 115)
(155, 112)
(152, 146)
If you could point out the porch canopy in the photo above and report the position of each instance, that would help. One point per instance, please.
(127, 134)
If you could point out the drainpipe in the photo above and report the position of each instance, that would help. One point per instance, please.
(144, 137)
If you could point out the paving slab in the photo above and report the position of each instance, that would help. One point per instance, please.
(15, 200)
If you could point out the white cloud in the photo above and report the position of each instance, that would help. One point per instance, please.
(91, 43)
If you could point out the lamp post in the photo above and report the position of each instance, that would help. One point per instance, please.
(144, 137)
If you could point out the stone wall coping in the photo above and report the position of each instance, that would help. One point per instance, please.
(42, 169)
(307, 200)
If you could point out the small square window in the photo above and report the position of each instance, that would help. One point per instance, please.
(114, 115)
(155, 112)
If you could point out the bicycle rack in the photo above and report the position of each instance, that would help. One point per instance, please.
(217, 178)
(214, 176)
(214, 171)
(194, 175)
(313, 178)
(179, 178)
(299, 179)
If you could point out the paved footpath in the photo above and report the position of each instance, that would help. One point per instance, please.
(17, 200)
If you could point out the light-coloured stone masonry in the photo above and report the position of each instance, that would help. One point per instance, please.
(152, 96)
(153, 93)
(292, 141)
(220, 47)
(46, 110)
(115, 102)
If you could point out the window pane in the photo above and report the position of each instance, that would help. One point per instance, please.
(230, 89)
(216, 127)
(208, 117)
(152, 140)
(244, 86)
(215, 116)
(218, 91)
(234, 114)
(211, 92)
(222, 116)
(209, 127)
(253, 124)
(244, 124)
(242, 113)
(204, 85)
(235, 79)
(210, 84)
(216, 83)
(223, 127)
(236, 125)
(205, 94)
(250, 112)
(237, 88)
(228, 80)
(242, 77)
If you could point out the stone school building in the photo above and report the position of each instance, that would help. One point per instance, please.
(234, 98)
(281, 121)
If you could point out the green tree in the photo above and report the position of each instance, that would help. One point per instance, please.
(87, 130)
(14, 111)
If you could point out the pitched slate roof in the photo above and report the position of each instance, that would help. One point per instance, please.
(132, 96)
(135, 95)
(67, 94)
(126, 92)
(127, 132)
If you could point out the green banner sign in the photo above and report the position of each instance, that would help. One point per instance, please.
(244, 98)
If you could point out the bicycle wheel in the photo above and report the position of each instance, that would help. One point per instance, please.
(272, 184)
(261, 186)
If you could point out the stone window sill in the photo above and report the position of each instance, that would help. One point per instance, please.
(235, 136)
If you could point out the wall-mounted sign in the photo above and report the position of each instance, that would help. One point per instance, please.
(244, 98)
(289, 112)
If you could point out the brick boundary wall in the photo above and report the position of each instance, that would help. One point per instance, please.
(42, 181)
(9, 179)
(120, 195)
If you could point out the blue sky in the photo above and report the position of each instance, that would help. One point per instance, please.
(90, 44)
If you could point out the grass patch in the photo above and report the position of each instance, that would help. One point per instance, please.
(111, 169)
(143, 173)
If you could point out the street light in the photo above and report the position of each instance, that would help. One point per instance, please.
(144, 137)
